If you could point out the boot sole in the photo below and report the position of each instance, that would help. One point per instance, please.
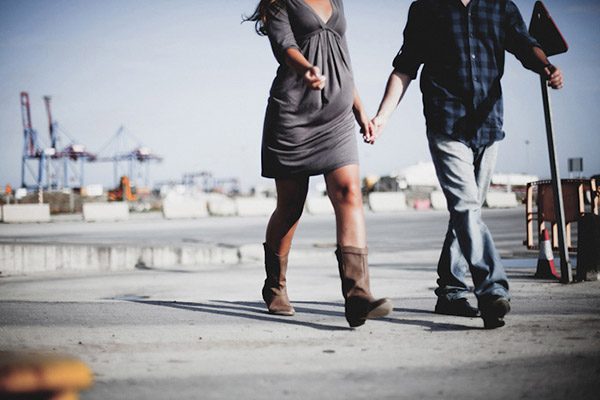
(381, 310)
(283, 313)
(385, 308)
(268, 299)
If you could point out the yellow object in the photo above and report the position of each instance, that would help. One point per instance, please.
(60, 377)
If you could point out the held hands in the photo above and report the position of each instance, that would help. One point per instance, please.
(554, 76)
(377, 125)
(314, 79)
(366, 129)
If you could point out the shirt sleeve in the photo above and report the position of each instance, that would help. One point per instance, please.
(280, 32)
(410, 57)
(518, 41)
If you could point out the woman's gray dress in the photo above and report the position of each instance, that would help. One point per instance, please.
(309, 132)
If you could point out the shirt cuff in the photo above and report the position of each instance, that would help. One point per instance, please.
(404, 65)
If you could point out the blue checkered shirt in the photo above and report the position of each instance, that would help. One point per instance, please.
(462, 50)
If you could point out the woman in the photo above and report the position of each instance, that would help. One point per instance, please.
(309, 130)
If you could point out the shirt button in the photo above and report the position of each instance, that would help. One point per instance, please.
(473, 56)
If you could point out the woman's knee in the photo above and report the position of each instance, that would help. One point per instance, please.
(290, 207)
(346, 194)
(290, 211)
(291, 195)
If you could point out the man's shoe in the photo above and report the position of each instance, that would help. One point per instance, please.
(458, 307)
(493, 311)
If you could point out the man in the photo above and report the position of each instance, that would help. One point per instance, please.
(462, 46)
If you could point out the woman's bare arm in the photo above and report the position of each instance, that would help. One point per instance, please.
(366, 128)
(312, 74)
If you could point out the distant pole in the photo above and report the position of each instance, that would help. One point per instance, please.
(543, 28)
(66, 171)
(51, 126)
(41, 169)
(81, 175)
(566, 275)
(48, 174)
(28, 143)
(23, 162)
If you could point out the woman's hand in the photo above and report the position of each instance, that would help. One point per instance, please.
(314, 79)
(366, 129)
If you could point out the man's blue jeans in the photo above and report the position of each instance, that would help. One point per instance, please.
(464, 175)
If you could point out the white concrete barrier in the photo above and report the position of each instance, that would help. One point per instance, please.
(16, 213)
(438, 200)
(387, 201)
(221, 205)
(318, 205)
(255, 206)
(501, 200)
(176, 207)
(98, 212)
(16, 259)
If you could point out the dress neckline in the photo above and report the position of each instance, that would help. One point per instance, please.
(316, 14)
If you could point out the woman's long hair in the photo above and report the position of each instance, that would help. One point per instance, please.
(260, 15)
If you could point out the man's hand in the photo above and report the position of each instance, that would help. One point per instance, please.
(379, 123)
(314, 79)
(554, 76)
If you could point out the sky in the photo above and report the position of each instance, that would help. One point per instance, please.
(190, 81)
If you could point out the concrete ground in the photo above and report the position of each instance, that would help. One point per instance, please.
(392, 232)
(191, 333)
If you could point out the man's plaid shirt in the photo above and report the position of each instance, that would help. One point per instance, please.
(462, 50)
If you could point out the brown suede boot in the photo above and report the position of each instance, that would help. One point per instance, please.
(360, 303)
(274, 291)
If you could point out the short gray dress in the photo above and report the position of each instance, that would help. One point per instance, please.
(309, 132)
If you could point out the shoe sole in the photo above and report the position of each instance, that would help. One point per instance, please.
(442, 312)
(493, 323)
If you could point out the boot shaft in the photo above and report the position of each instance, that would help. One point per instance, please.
(275, 267)
(274, 291)
(354, 271)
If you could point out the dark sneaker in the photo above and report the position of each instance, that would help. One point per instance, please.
(458, 307)
(493, 311)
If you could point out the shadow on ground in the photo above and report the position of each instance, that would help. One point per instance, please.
(256, 311)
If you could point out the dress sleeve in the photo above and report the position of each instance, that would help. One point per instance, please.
(280, 32)
(518, 41)
(410, 57)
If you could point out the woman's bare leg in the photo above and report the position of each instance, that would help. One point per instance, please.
(343, 188)
(291, 195)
